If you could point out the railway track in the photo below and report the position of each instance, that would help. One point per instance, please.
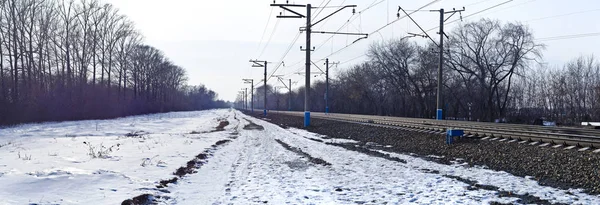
(567, 136)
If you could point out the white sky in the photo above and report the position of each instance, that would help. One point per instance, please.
(215, 39)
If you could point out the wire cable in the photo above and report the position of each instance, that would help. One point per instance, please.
(562, 15)
(284, 55)
(269, 41)
(322, 8)
(326, 20)
(582, 35)
(265, 30)
(478, 12)
(352, 59)
(422, 7)
(350, 20)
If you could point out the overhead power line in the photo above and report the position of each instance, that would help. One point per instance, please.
(270, 37)
(265, 30)
(284, 55)
(509, 7)
(381, 28)
(398, 19)
(479, 2)
(350, 20)
(327, 20)
(322, 8)
(352, 59)
(583, 35)
(467, 16)
(562, 15)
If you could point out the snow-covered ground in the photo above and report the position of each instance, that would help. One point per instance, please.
(49, 164)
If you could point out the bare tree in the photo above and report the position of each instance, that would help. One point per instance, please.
(492, 54)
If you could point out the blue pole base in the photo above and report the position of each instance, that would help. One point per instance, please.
(326, 109)
(449, 139)
(265, 113)
(306, 119)
(439, 114)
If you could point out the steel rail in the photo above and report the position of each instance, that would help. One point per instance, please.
(555, 135)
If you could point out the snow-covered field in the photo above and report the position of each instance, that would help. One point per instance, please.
(50, 164)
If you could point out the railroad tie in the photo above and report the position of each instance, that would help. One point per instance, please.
(545, 144)
(583, 149)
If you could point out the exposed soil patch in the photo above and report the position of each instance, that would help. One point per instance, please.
(304, 154)
(222, 125)
(139, 200)
(136, 134)
(253, 126)
(221, 142)
(549, 166)
(164, 183)
(197, 133)
(362, 149)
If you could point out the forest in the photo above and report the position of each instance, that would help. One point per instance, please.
(72, 60)
(493, 71)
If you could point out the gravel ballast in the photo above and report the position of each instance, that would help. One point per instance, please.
(549, 166)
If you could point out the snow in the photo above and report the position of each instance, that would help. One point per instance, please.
(322, 138)
(256, 169)
(48, 163)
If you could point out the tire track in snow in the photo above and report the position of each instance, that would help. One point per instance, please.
(191, 167)
(260, 173)
(304, 154)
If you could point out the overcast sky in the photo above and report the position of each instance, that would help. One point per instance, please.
(213, 40)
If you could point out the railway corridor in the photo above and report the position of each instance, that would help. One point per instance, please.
(276, 165)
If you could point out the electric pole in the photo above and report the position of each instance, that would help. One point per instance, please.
(265, 85)
(246, 97)
(251, 82)
(257, 63)
(290, 96)
(243, 93)
(277, 95)
(279, 77)
(241, 102)
(242, 99)
(326, 85)
(439, 111)
(307, 78)
(309, 31)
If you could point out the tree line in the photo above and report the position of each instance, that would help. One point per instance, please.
(72, 60)
(492, 71)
